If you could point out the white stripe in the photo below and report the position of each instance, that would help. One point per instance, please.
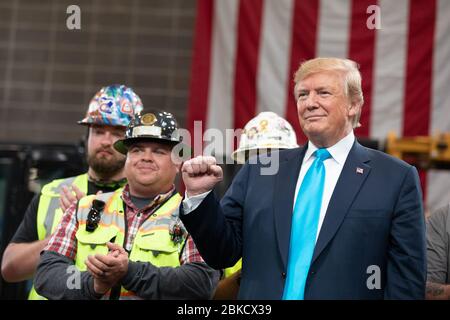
(274, 57)
(334, 28)
(438, 191)
(440, 121)
(220, 99)
(390, 69)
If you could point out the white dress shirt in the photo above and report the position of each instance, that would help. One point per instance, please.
(333, 169)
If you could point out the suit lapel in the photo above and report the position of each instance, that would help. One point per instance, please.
(285, 183)
(353, 175)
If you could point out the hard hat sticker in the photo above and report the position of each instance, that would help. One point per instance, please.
(148, 119)
(146, 131)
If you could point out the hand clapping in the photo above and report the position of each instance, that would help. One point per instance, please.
(107, 270)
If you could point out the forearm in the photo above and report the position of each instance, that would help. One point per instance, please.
(58, 279)
(189, 281)
(216, 227)
(228, 288)
(20, 260)
(210, 229)
(437, 291)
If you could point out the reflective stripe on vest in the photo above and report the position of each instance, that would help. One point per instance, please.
(49, 213)
(153, 242)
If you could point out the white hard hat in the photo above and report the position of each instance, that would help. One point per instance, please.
(265, 131)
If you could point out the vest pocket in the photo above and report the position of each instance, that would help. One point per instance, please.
(156, 247)
(90, 243)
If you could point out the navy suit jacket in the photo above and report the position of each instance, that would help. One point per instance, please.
(374, 227)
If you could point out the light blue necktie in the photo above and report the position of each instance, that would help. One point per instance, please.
(305, 221)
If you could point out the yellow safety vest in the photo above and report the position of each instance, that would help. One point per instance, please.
(49, 213)
(153, 241)
(231, 270)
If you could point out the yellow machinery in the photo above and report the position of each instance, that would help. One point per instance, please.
(423, 151)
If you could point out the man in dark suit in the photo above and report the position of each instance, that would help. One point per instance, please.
(336, 221)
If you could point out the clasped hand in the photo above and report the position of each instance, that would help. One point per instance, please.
(109, 269)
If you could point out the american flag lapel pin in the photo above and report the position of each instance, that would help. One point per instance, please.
(359, 170)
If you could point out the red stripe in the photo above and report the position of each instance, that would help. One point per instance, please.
(249, 34)
(200, 70)
(303, 47)
(419, 67)
(362, 48)
(419, 73)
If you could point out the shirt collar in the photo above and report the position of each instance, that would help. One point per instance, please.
(339, 151)
(160, 198)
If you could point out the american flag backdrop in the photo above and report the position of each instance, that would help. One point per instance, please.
(246, 51)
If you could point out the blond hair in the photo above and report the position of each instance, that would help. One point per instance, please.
(352, 78)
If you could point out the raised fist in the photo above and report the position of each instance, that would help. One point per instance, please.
(200, 175)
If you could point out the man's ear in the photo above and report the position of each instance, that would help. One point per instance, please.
(354, 112)
(354, 109)
(86, 136)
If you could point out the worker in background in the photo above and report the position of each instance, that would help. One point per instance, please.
(109, 112)
(438, 254)
(265, 132)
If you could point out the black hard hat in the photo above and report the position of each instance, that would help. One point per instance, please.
(153, 125)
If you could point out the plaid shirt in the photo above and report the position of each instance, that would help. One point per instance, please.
(63, 240)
